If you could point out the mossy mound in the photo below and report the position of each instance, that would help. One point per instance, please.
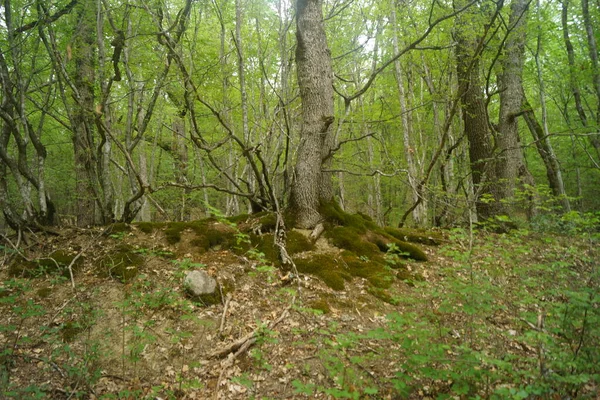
(329, 269)
(295, 243)
(122, 264)
(376, 273)
(57, 261)
(209, 233)
(44, 292)
(149, 227)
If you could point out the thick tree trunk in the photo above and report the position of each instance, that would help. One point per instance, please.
(510, 165)
(475, 119)
(315, 79)
(83, 115)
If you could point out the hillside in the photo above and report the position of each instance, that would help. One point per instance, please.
(511, 315)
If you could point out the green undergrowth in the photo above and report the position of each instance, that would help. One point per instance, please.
(516, 316)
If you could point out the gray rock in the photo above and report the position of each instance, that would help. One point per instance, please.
(199, 283)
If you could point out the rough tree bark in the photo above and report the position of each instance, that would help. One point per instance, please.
(315, 79)
(82, 119)
(509, 164)
(474, 112)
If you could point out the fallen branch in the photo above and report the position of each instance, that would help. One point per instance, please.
(251, 337)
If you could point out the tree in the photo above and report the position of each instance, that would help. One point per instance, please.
(312, 186)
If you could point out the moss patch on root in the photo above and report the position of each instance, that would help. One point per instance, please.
(327, 268)
(360, 235)
(376, 273)
(122, 264)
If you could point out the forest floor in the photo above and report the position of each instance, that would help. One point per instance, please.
(512, 315)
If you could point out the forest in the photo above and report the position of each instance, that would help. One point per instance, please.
(434, 113)
(393, 199)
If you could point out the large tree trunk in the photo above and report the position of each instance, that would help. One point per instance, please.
(475, 117)
(315, 78)
(83, 115)
(510, 165)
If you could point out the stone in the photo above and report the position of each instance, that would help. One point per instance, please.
(199, 283)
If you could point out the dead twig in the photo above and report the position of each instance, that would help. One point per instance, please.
(225, 308)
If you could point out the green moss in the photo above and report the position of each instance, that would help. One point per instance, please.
(297, 243)
(325, 267)
(348, 239)
(268, 222)
(149, 227)
(383, 241)
(334, 215)
(415, 235)
(69, 331)
(320, 305)
(173, 231)
(376, 273)
(266, 245)
(122, 264)
(238, 219)
(117, 227)
(20, 267)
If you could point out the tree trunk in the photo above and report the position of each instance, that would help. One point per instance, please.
(510, 165)
(311, 184)
(571, 58)
(593, 50)
(546, 152)
(83, 74)
(475, 117)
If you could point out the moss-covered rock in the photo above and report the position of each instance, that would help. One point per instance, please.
(173, 231)
(122, 264)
